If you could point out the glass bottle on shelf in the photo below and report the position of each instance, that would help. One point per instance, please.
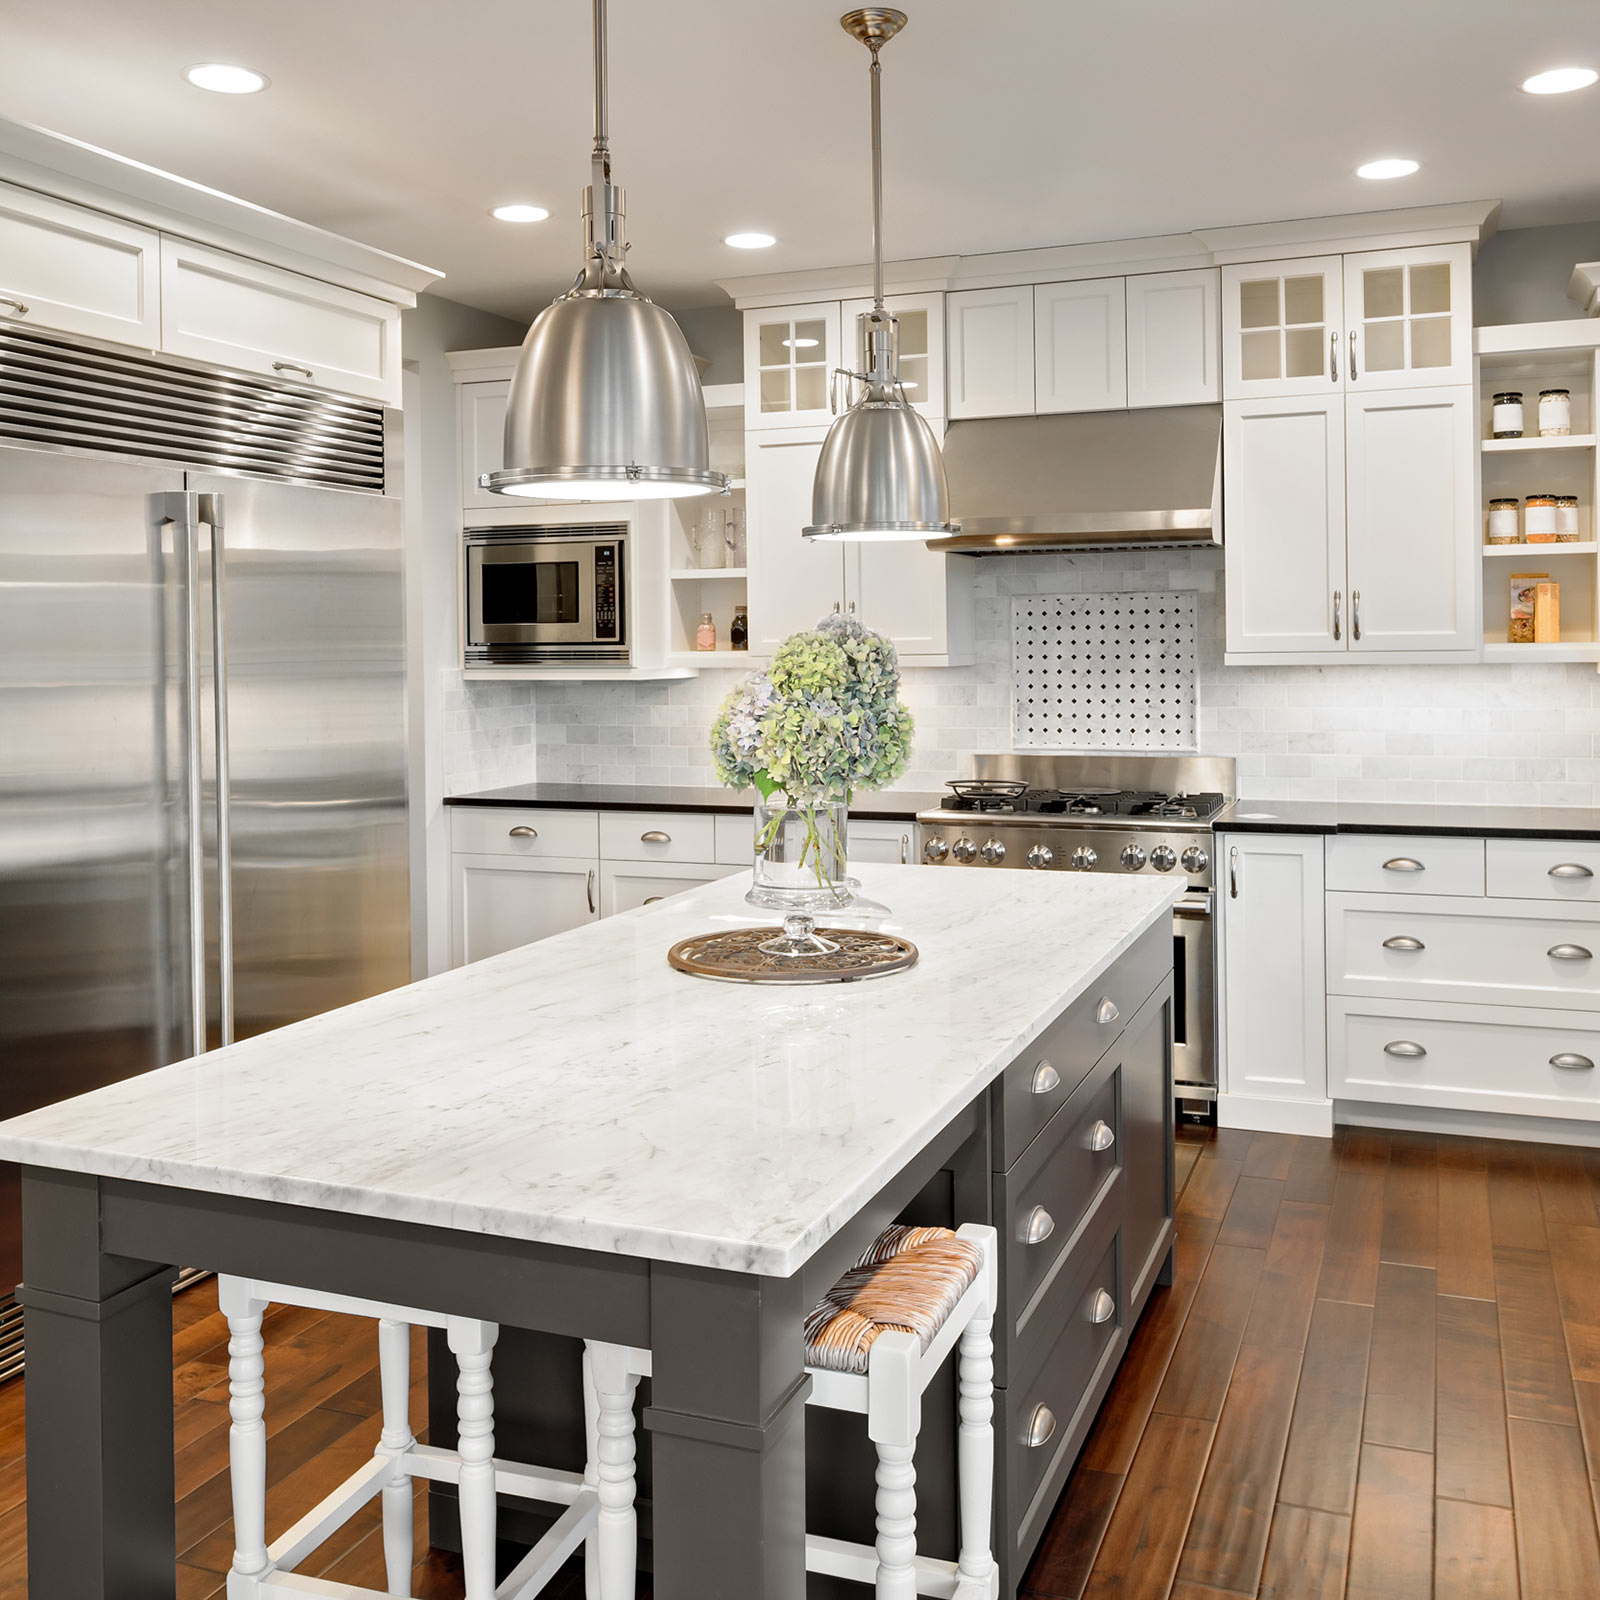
(739, 629)
(705, 636)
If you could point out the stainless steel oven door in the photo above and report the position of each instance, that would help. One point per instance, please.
(1194, 1058)
(535, 593)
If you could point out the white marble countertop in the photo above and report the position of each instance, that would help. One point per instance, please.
(580, 1092)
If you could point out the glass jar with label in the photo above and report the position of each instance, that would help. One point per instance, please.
(1555, 413)
(1539, 519)
(1504, 522)
(1566, 519)
(1507, 416)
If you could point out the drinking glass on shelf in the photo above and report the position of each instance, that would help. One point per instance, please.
(734, 536)
(708, 536)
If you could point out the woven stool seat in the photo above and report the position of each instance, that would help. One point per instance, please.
(909, 1279)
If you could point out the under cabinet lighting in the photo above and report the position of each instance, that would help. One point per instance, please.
(1389, 167)
(220, 78)
(1560, 80)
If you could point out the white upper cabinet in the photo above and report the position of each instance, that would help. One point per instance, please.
(1284, 509)
(1080, 339)
(1408, 317)
(922, 365)
(990, 347)
(481, 414)
(242, 313)
(1174, 338)
(1412, 558)
(80, 271)
(792, 581)
(789, 354)
(1282, 328)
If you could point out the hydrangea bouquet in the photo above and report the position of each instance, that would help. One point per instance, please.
(823, 721)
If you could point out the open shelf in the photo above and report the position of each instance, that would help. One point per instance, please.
(1525, 552)
(1573, 650)
(722, 656)
(708, 574)
(1568, 441)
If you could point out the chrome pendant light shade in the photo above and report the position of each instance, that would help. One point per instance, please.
(605, 403)
(880, 475)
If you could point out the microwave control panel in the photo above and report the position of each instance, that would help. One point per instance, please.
(607, 583)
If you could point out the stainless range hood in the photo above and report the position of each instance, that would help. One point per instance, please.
(1096, 480)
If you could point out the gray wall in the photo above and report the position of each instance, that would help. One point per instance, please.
(717, 333)
(1521, 275)
(433, 522)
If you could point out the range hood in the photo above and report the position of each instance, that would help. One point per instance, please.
(1097, 480)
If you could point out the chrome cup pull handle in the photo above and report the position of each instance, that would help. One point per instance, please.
(1045, 1078)
(1569, 952)
(1037, 1226)
(1403, 864)
(1102, 1308)
(523, 831)
(1102, 1136)
(1571, 1061)
(1402, 941)
(1041, 1425)
(1106, 1012)
(655, 836)
(654, 899)
(1405, 1048)
(1569, 869)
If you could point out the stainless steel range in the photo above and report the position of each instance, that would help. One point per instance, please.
(1105, 814)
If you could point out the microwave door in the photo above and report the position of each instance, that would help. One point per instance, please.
(519, 595)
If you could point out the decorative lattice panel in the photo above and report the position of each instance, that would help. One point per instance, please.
(1103, 671)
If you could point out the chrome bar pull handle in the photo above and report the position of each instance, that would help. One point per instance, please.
(212, 513)
(655, 836)
(1353, 373)
(1403, 864)
(1569, 952)
(1338, 629)
(1355, 615)
(1103, 1307)
(293, 366)
(905, 849)
(589, 890)
(1037, 1226)
(1233, 872)
(523, 831)
(1569, 869)
(1571, 1061)
(1041, 1427)
(1405, 1049)
(1045, 1079)
(1333, 356)
(18, 306)
(1403, 941)
(1102, 1136)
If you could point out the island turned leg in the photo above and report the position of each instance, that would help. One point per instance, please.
(100, 1473)
(727, 1424)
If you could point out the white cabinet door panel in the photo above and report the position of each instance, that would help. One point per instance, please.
(1283, 328)
(789, 355)
(1405, 863)
(1543, 869)
(626, 886)
(792, 582)
(1174, 338)
(990, 351)
(498, 904)
(64, 266)
(658, 836)
(1411, 519)
(1408, 316)
(241, 313)
(482, 441)
(1284, 499)
(892, 843)
(1080, 346)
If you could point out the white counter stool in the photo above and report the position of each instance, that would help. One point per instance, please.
(599, 1501)
(873, 1345)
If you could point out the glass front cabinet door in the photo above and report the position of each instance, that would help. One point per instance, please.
(1408, 317)
(1282, 328)
(789, 352)
(921, 319)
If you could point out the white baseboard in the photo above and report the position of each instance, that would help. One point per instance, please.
(1263, 1114)
(1447, 1119)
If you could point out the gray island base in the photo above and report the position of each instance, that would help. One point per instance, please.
(574, 1141)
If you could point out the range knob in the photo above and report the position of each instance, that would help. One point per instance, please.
(1195, 859)
(993, 851)
(1132, 857)
(935, 849)
(1041, 855)
(1163, 858)
(1083, 858)
(964, 849)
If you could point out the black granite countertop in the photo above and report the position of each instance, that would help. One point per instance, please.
(1319, 816)
(627, 797)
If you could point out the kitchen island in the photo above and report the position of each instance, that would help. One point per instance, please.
(573, 1138)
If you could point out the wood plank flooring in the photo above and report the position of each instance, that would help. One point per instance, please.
(1375, 1376)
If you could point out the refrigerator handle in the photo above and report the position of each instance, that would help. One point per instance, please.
(212, 513)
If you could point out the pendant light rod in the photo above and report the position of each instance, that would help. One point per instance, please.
(877, 179)
(602, 151)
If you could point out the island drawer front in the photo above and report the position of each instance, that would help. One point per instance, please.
(736, 836)
(1042, 1079)
(1045, 1407)
(523, 831)
(1476, 1058)
(1049, 1193)
(658, 836)
(1544, 869)
(1413, 947)
(1395, 863)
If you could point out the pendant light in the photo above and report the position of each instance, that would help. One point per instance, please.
(880, 475)
(605, 403)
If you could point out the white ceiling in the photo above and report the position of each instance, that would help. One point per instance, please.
(1027, 122)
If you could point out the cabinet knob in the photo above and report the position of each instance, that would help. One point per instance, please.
(655, 836)
(1569, 869)
(523, 831)
(1102, 1136)
(1403, 864)
(1041, 1425)
(1571, 1061)
(1102, 1308)
(1106, 1012)
(1403, 941)
(1570, 952)
(1037, 1226)
(1045, 1078)
(1405, 1048)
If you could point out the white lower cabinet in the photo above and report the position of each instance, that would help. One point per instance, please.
(627, 885)
(892, 843)
(500, 902)
(1274, 1026)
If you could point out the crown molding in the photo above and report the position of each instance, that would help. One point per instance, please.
(1469, 221)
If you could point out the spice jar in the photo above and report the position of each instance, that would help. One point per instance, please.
(705, 636)
(1503, 522)
(1539, 519)
(1566, 519)
(1555, 413)
(1507, 416)
(739, 630)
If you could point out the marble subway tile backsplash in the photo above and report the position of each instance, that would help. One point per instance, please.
(1474, 734)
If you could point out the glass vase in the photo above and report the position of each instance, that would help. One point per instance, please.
(800, 867)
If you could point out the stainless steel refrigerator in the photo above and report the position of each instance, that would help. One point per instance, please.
(202, 760)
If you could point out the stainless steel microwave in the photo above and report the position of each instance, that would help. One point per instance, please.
(546, 594)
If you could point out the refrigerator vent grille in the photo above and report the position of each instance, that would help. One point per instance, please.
(56, 392)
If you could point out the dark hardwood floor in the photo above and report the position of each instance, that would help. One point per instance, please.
(1376, 1375)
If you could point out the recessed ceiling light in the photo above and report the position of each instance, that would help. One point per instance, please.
(520, 213)
(220, 78)
(750, 241)
(1389, 167)
(1560, 80)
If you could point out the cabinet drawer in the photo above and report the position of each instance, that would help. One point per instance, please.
(242, 313)
(1394, 863)
(1041, 1080)
(1478, 1058)
(523, 831)
(1434, 948)
(1543, 869)
(893, 843)
(627, 886)
(736, 838)
(658, 836)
